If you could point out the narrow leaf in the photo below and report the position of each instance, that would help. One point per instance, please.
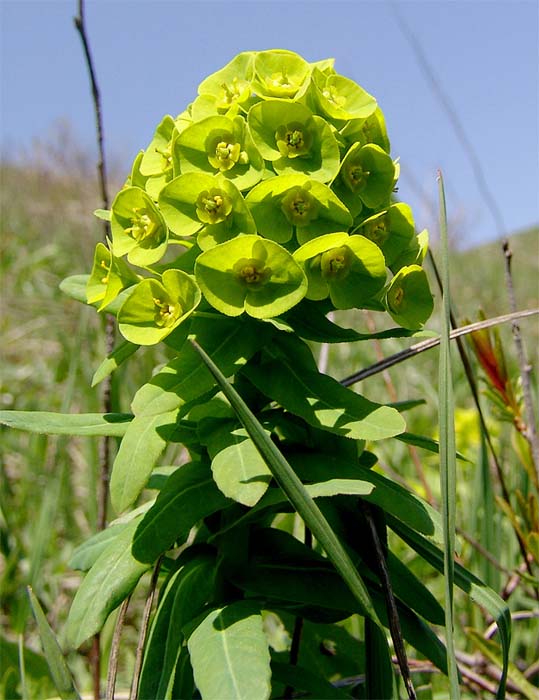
(60, 673)
(114, 360)
(230, 655)
(305, 681)
(295, 491)
(111, 424)
(110, 580)
(473, 586)
(448, 473)
(87, 553)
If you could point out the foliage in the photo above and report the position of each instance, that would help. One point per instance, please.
(263, 204)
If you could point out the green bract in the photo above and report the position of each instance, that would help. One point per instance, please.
(369, 130)
(293, 139)
(289, 202)
(109, 276)
(210, 205)
(281, 74)
(220, 145)
(408, 298)
(339, 98)
(228, 88)
(348, 269)
(366, 176)
(155, 308)
(250, 274)
(392, 230)
(138, 227)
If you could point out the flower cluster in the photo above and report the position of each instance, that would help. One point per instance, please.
(274, 185)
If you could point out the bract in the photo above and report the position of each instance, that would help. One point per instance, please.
(369, 130)
(408, 298)
(348, 269)
(250, 274)
(289, 202)
(156, 307)
(280, 73)
(210, 204)
(138, 227)
(293, 139)
(392, 231)
(366, 176)
(220, 145)
(110, 275)
(340, 98)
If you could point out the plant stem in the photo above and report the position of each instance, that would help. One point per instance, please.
(115, 650)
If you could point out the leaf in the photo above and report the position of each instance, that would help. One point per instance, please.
(238, 468)
(139, 451)
(491, 650)
(189, 495)
(426, 443)
(448, 467)
(295, 491)
(60, 672)
(113, 361)
(470, 584)
(230, 655)
(230, 341)
(305, 681)
(324, 403)
(310, 323)
(187, 591)
(87, 553)
(110, 580)
(379, 675)
(112, 424)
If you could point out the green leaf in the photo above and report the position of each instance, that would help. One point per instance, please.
(117, 357)
(426, 443)
(87, 553)
(140, 449)
(387, 494)
(324, 403)
(230, 654)
(229, 341)
(304, 680)
(295, 491)
(448, 466)
(189, 495)
(111, 424)
(63, 680)
(238, 468)
(379, 675)
(186, 593)
(74, 287)
(466, 581)
(110, 580)
(310, 323)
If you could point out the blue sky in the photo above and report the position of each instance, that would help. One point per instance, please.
(151, 55)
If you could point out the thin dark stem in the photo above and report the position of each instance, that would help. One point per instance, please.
(144, 631)
(115, 650)
(525, 368)
(430, 343)
(298, 629)
(106, 400)
(391, 605)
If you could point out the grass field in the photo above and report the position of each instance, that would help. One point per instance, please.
(52, 345)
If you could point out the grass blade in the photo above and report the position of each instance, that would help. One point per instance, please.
(295, 491)
(60, 673)
(448, 462)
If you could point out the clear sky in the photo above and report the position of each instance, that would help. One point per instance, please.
(150, 55)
